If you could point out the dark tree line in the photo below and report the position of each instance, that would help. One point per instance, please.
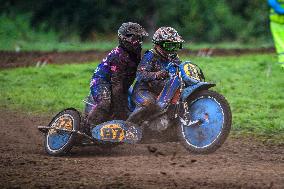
(197, 20)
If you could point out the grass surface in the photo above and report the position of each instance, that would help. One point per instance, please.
(253, 85)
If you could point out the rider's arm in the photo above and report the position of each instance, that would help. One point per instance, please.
(276, 6)
(144, 70)
(119, 99)
(176, 60)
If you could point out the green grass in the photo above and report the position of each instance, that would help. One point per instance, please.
(47, 89)
(253, 85)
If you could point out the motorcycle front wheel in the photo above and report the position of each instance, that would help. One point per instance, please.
(212, 113)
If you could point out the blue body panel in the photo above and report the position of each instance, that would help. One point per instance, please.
(117, 131)
(168, 92)
(211, 113)
(198, 86)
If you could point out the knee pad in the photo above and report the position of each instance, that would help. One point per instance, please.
(144, 98)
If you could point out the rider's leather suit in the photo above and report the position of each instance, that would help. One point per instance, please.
(110, 83)
(148, 87)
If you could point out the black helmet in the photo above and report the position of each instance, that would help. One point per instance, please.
(132, 29)
(131, 35)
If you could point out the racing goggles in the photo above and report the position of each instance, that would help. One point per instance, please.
(171, 46)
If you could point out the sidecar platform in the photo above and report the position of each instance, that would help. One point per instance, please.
(116, 131)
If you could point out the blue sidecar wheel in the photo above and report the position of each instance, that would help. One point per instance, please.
(211, 132)
(58, 142)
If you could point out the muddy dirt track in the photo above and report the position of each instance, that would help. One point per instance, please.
(240, 163)
(11, 59)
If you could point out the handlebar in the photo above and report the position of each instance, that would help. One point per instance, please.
(172, 68)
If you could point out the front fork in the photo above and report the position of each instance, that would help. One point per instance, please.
(182, 111)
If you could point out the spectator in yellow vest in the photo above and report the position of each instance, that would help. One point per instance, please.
(277, 27)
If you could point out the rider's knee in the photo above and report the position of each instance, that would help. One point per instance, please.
(144, 98)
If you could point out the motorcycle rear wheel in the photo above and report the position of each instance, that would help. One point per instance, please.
(214, 110)
(58, 142)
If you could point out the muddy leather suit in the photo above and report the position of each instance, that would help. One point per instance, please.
(110, 83)
(148, 86)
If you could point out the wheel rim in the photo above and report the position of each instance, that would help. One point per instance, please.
(210, 111)
(56, 140)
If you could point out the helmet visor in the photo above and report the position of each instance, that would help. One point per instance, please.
(171, 46)
(134, 38)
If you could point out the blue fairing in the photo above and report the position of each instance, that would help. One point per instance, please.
(195, 87)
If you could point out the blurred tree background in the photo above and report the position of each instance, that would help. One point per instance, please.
(196, 20)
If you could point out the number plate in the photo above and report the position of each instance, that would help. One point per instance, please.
(112, 132)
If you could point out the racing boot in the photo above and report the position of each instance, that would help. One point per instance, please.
(143, 113)
(86, 126)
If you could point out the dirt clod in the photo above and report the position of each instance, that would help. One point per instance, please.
(152, 149)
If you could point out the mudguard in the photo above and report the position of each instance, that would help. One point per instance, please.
(196, 87)
(117, 131)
